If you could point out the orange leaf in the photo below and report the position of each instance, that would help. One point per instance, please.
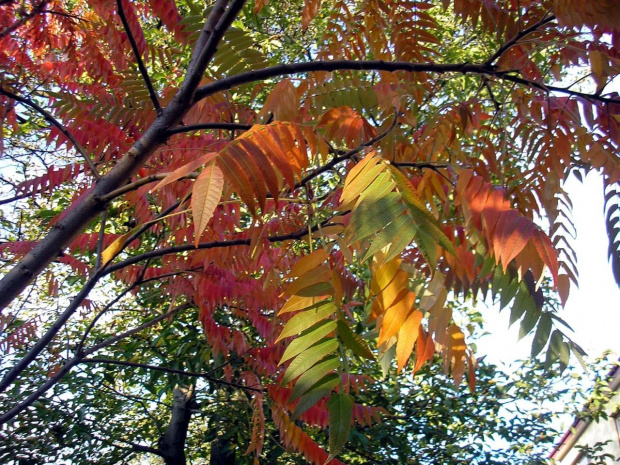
(407, 335)
(546, 252)
(311, 8)
(425, 348)
(511, 235)
(206, 194)
(282, 102)
(115, 247)
(395, 315)
(563, 286)
(308, 262)
(184, 170)
(235, 175)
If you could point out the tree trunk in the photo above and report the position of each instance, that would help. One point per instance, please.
(172, 442)
(221, 453)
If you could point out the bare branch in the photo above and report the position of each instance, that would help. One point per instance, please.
(104, 218)
(53, 121)
(209, 245)
(520, 35)
(66, 368)
(136, 53)
(206, 126)
(168, 370)
(379, 65)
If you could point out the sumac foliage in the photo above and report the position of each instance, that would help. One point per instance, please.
(321, 184)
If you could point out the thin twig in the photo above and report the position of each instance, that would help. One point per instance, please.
(173, 371)
(208, 245)
(104, 219)
(520, 35)
(53, 121)
(52, 381)
(136, 53)
(139, 282)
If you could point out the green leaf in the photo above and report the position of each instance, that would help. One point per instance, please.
(307, 318)
(319, 390)
(307, 338)
(520, 305)
(316, 290)
(398, 231)
(340, 408)
(508, 293)
(553, 352)
(353, 341)
(528, 322)
(369, 217)
(309, 378)
(308, 358)
(380, 187)
(542, 335)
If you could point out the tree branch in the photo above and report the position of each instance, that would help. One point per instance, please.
(46, 338)
(208, 245)
(379, 65)
(132, 186)
(203, 126)
(16, 198)
(561, 90)
(52, 381)
(520, 35)
(338, 65)
(54, 122)
(172, 371)
(63, 232)
(126, 291)
(136, 53)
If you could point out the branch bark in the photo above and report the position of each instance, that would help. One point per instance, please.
(390, 66)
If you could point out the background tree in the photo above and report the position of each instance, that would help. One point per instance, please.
(300, 192)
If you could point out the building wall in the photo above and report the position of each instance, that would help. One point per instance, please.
(588, 433)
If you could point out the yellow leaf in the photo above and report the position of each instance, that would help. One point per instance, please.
(383, 275)
(395, 290)
(297, 302)
(206, 194)
(115, 247)
(320, 274)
